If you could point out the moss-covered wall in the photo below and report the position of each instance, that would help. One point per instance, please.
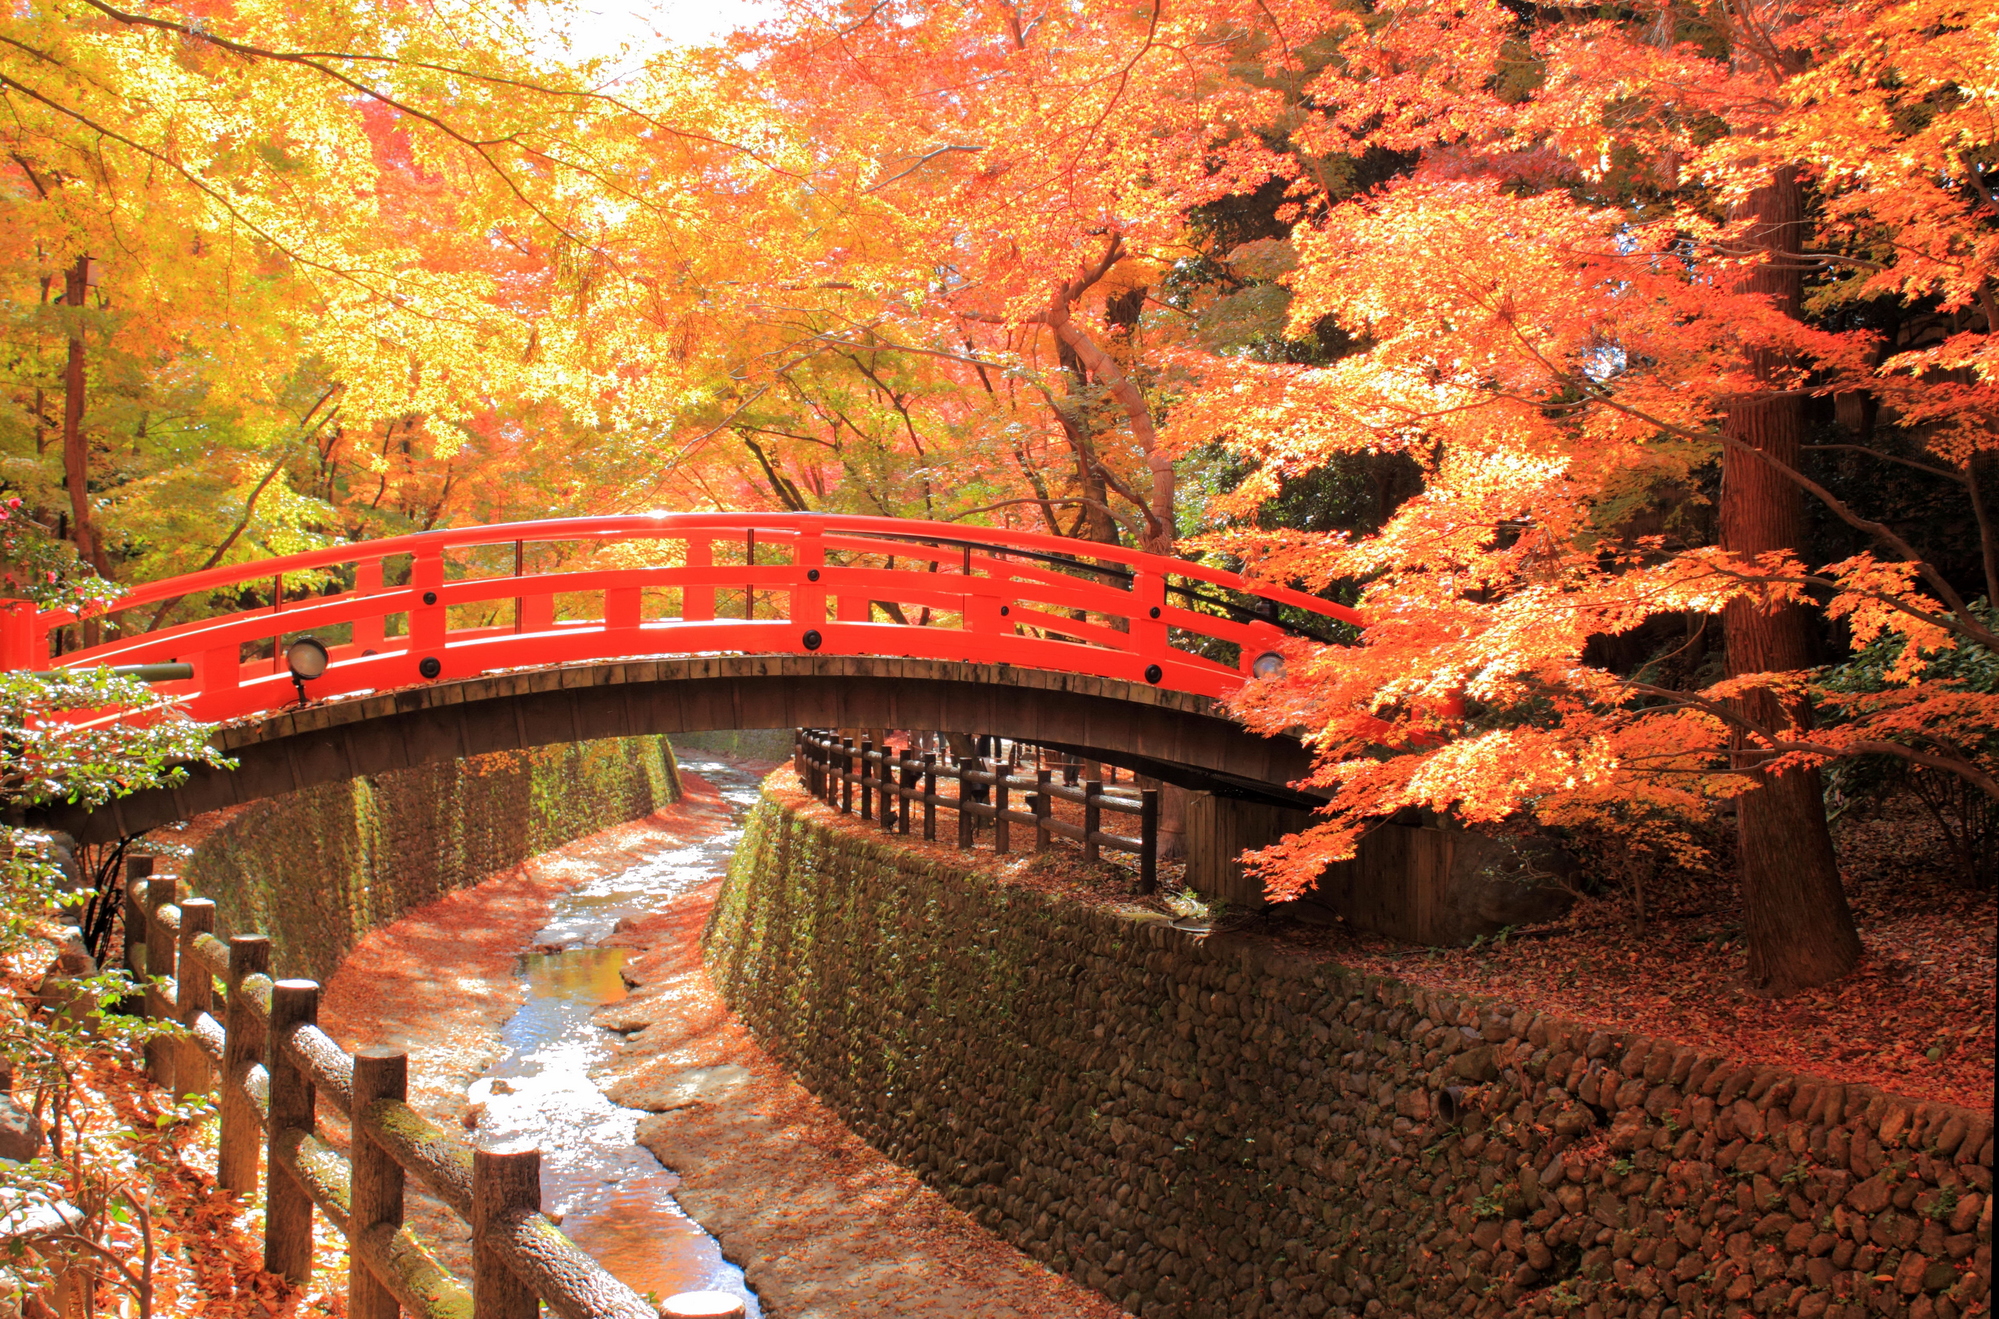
(1225, 1129)
(317, 869)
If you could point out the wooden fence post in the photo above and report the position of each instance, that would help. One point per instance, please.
(377, 1186)
(1044, 806)
(1093, 818)
(137, 869)
(889, 804)
(907, 780)
(965, 821)
(506, 1182)
(1148, 840)
(846, 775)
(288, 1205)
(160, 891)
(930, 796)
(1002, 827)
(195, 994)
(236, 1147)
(867, 779)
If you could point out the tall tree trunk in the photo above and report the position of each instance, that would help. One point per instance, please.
(1799, 926)
(76, 447)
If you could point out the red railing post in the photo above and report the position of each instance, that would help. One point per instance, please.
(697, 603)
(426, 606)
(1148, 601)
(17, 631)
(808, 556)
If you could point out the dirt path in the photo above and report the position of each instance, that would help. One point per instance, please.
(822, 1225)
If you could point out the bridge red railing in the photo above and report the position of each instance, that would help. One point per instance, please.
(465, 601)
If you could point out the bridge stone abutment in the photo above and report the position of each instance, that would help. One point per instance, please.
(1180, 738)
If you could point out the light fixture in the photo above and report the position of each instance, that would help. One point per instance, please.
(306, 658)
(1269, 664)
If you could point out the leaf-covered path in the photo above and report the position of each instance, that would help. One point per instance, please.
(822, 1224)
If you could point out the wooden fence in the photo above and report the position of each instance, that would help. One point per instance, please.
(258, 1044)
(890, 786)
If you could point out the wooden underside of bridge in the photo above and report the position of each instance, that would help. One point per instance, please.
(1174, 736)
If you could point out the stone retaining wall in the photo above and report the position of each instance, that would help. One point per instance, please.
(318, 868)
(1219, 1128)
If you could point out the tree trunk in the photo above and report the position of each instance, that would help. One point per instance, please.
(1799, 927)
(75, 449)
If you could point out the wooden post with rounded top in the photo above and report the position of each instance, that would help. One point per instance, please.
(966, 822)
(1093, 818)
(137, 870)
(506, 1182)
(160, 892)
(288, 1205)
(906, 768)
(194, 994)
(1002, 828)
(867, 779)
(377, 1186)
(1043, 805)
(1148, 840)
(930, 796)
(236, 1148)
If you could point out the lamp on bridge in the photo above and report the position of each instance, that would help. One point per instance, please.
(306, 658)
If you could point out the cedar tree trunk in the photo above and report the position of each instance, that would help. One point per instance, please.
(1799, 927)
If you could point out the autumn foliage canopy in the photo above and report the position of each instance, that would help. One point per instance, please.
(1632, 369)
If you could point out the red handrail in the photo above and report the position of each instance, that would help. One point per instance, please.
(962, 593)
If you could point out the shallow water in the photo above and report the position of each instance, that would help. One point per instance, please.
(615, 1199)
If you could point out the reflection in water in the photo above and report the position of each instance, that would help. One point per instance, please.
(615, 1199)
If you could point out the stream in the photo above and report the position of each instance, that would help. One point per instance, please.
(615, 1200)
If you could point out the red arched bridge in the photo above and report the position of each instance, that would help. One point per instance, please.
(458, 642)
(479, 600)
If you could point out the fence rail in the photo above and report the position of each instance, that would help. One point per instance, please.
(274, 1066)
(891, 786)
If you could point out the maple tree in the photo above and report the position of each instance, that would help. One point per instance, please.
(1595, 280)
(1574, 348)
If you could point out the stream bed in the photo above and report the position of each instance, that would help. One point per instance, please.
(614, 1198)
